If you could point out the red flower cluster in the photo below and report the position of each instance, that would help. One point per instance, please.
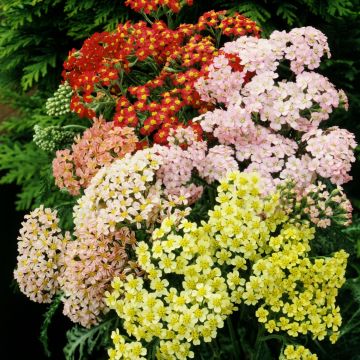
(236, 25)
(146, 74)
(149, 6)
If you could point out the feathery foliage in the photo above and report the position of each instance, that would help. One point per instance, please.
(82, 342)
(35, 36)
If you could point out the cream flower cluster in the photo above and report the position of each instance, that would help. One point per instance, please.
(81, 269)
(124, 193)
(40, 261)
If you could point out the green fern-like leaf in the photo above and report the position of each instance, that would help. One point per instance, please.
(353, 233)
(340, 8)
(354, 286)
(30, 167)
(82, 342)
(253, 10)
(287, 12)
(22, 162)
(34, 71)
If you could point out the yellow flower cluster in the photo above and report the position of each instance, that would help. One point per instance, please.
(248, 251)
(298, 295)
(132, 350)
(292, 352)
(203, 290)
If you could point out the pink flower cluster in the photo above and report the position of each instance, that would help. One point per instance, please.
(40, 261)
(332, 153)
(91, 264)
(302, 104)
(99, 145)
(179, 163)
(272, 123)
(303, 47)
(213, 88)
(218, 161)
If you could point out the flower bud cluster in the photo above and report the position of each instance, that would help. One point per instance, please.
(52, 138)
(59, 104)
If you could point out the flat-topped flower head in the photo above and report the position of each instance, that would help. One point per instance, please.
(40, 262)
(126, 193)
(98, 146)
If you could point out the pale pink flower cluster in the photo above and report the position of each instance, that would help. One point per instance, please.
(98, 146)
(178, 163)
(213, 88)
(91, 264)
(183, 136)
(256, 55)
(40, 261)
(226, 124)
(332, 153)
(127, 193)
(324, 207)
(303, 47)
(302, 104)
(272, 123)
(298, 169)
(218, 162)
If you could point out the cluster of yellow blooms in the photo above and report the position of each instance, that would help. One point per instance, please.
(292, 352)
(248, 251)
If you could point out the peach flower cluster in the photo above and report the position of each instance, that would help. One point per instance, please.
(98, 146)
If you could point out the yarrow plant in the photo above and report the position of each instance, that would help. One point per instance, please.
(234, 257)
(197, 192)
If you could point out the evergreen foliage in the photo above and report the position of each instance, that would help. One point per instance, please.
(35, 36)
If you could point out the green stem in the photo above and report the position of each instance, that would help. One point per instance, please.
(233, 338)
(258, 344)
(320, 347)
(271, 337)
(214, 350)
(146, 18)
(153, 350)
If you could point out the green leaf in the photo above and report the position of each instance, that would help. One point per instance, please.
(34, 71)
(340, 8)
(287, 12)
(82, 342)
(253, 10)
